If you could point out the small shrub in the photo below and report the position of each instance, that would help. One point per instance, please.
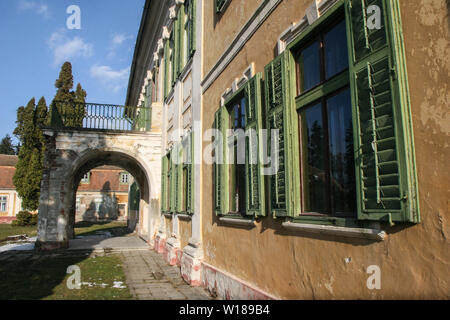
(23, 218)
(34, 220)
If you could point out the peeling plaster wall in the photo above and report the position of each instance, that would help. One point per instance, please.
(414, 260)
(185, 230)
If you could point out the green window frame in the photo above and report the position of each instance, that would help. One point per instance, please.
(180, 46)
(171, 181)
(189, 29)
(167, 192)
(220, 5)
(316, 100)
(386, 181)
(254, 180)
(166, 68)
(173, 44)
(164, 184)
(187, 175)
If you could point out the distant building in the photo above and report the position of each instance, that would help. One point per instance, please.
(103, 194)
(10, 202)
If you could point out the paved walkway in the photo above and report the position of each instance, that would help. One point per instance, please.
(149, 277)
(116, 243)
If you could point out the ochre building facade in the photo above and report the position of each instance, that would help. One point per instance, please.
(353, 98)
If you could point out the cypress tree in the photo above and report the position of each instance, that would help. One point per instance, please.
(70, 104)
(28, 175)
(80, 99)
(64, 83)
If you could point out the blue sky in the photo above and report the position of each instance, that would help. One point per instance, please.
(35, 42)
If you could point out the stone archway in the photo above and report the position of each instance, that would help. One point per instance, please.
(72, 153)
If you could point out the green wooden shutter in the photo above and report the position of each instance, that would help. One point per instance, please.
(219, 5)
(164, 194)
(174, 42)
(190, 175)
(385, 170)
(192, 26)
(178, 179)
(179, 41)
(255, 203)
(173, 182)
(220, 172)
(280, 114)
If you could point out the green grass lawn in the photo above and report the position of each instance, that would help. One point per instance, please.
(7, 230)
(81, 229)
(116, 228)
(46, 278)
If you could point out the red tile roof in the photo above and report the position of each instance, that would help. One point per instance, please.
(8, 161)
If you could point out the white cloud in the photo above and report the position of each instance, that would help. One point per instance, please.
(117, 40)
(120, 38)
(40, 9)
(65, 48)
(112, 79)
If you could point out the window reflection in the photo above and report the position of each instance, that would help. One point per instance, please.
(309, 66)
(237, 169)
(336, 52)
(313, 159)
(328, 168)
(341, 153)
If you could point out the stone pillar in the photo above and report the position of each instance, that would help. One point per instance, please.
(160, 240)
(191, 262)
(53, 224)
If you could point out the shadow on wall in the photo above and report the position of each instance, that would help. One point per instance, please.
(104, 208)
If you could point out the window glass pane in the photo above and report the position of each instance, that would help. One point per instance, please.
(342, 162)
(309, 64)
(185, 188)
(243, 110)
(336, 54)
(314, 173)
(237, 167)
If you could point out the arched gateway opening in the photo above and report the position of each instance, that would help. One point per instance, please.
(93, 159)
(70, 155)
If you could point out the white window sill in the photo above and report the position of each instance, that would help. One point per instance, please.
(372, 234)
(184, 216)
(239, 222)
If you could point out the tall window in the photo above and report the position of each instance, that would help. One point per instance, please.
(186, 34)
(169, 181)
(3, 203)
(238, 181)
(326, 130)
(237, 167)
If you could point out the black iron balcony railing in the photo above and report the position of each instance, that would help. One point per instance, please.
(95, 116)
